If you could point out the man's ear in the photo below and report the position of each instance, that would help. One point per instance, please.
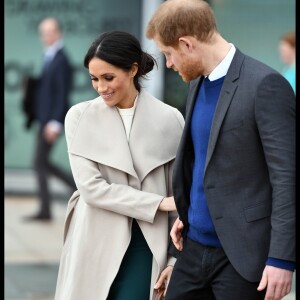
(186, 43)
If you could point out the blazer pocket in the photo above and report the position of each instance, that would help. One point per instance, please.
(258, 211)
(229, 127)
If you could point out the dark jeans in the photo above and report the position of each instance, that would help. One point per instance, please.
(205, 273)
(44, 168)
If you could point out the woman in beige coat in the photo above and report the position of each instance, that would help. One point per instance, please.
(121, 147)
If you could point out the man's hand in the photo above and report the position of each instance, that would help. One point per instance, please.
(277, 281)
(50, 134)
(176, 234)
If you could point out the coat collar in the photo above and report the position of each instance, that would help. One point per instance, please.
(154, 137)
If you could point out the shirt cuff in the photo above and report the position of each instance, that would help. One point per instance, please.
(280, 263)
(55, 125)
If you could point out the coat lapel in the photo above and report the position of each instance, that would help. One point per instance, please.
(225, 98)
(100, 136)
(154, 136)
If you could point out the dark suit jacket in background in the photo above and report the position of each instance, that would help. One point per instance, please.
(28, 88)
(52, 94)
(47, 97)
(249, 175)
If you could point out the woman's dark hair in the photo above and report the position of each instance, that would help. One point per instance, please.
(122, 50)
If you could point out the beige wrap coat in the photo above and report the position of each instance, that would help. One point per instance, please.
(117, 180)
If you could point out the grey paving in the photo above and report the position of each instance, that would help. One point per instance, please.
(30, 281)
(32, 250)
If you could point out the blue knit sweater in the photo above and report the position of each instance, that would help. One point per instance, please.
(201, 227)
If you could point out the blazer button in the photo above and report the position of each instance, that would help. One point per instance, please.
(210, 186)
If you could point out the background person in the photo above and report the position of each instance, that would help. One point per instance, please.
(287, 52)
(121, 147)
(47, 104)
(234, 173)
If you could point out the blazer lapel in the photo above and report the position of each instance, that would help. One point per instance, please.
(100, 136)
(225, 98)
(190, 102)
(194, 87)
(153, 138)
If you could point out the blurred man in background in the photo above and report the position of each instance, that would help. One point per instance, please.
(49, 102)
(287, 52)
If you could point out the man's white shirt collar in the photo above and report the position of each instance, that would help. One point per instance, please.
(222, 68)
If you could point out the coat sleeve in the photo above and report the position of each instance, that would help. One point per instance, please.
(97, 192)
(172, 215)
(275, 118)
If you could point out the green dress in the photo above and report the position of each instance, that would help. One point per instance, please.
(134, 277)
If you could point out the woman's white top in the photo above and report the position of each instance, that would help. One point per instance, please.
(127, 116)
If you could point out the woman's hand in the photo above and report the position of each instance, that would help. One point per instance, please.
(167, 204)
(163, 281)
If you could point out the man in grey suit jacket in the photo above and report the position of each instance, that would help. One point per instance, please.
(234, 173)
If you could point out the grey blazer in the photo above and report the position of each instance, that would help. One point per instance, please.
(249, 175)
